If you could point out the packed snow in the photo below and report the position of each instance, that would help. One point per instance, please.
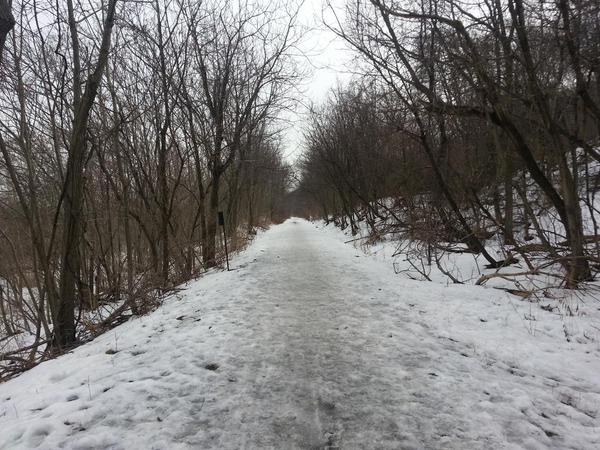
(310, 343)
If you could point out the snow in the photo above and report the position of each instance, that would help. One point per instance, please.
(310, 343)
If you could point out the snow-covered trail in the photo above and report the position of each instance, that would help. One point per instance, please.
(334, 363)
(308, 343)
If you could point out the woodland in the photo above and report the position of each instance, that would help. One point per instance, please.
(468, 127)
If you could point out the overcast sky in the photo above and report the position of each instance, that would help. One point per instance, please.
(327, 59)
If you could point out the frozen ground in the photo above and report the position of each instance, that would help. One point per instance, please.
(309, 343)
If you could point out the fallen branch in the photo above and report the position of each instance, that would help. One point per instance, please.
(508, 276)
(517, 292)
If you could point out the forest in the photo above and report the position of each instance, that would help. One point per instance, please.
(299, 224)
(124, 128)
(473, 125)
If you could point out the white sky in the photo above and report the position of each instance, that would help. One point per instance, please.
(327, 61)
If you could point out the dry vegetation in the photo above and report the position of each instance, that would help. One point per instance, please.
(474, 125)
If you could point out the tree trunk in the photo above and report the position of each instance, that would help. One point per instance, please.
(162, 155)
(7, 22)
(509, 237)
(209, 255)
(579, 269)
(64, 327)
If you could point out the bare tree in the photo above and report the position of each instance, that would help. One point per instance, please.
(107, 149)
(436, 56)
(240, 52)
(64, 327)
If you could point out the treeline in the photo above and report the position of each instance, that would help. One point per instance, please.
(472, 121)
(124, 128)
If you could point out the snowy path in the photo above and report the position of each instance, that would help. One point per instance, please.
(317, 346)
